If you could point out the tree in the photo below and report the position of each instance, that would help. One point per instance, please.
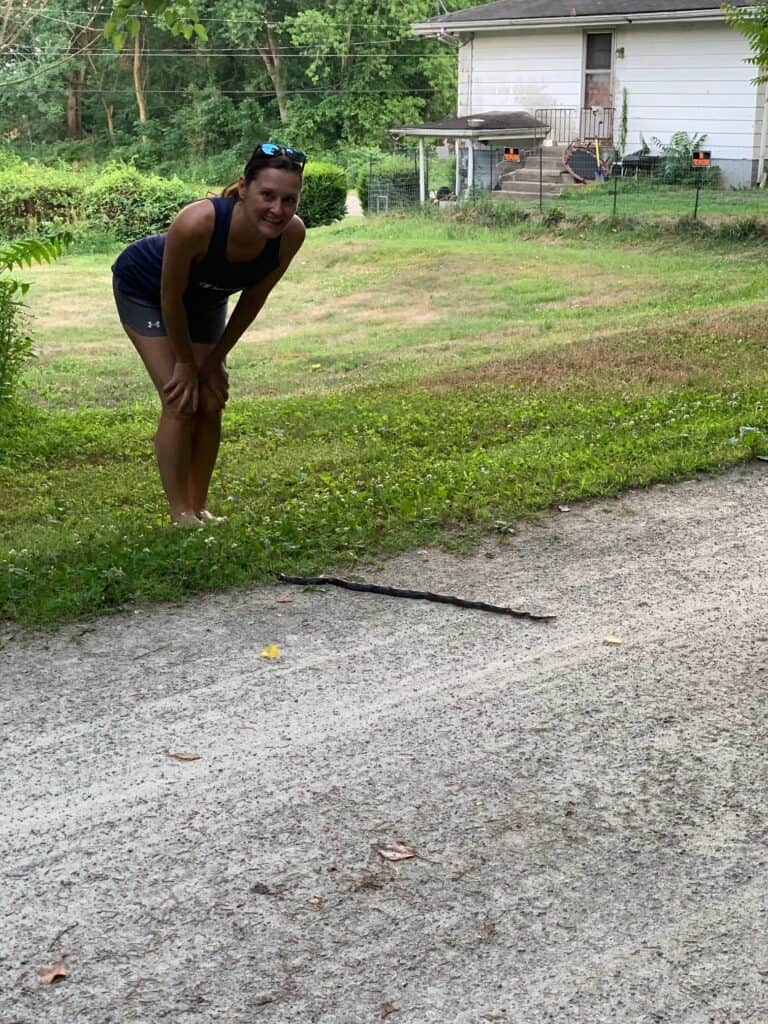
(753, 23)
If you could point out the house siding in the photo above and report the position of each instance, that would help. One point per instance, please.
(679, 77)
(689, 78)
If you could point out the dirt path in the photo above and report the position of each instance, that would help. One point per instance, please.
(590, 819)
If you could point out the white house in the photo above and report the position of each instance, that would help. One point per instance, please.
(627, 70)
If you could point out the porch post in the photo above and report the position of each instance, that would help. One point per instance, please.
(471, 165)
(422, 174)
(457, 150)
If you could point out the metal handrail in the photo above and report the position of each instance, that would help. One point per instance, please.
(564, 124)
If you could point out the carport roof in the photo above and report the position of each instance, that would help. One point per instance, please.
(493, 124)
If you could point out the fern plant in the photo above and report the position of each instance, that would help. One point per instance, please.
(15, 340)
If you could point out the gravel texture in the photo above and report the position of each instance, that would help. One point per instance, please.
(589, 819)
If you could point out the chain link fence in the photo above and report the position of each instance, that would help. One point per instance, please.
(536, 178)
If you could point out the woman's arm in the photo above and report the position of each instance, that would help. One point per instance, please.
(187, 240)
(252, 299)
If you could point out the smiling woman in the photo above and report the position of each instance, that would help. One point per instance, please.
(171, 292)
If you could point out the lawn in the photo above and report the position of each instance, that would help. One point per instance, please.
(643, 199)
(410, 381)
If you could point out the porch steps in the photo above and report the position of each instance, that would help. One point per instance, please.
(524, 182)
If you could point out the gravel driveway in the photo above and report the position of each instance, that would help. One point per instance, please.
(589, 818)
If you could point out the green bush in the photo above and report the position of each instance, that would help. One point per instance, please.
(677, 156)
(324, 195)
(15, 342)
(395, 177)
(131, 205)
(32, 197)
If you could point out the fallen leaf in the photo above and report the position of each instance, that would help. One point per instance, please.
(316, 366)
(396, 851)
(271, 651)
(563, 508)
(612, 641)
(387, 1008)
(49, 973)
(283, 600)
(316, 901)
(181, 755)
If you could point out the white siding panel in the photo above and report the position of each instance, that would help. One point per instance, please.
(525, 71)
(689, 78)
(683, 77)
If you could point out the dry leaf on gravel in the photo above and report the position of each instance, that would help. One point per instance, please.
(271, 651)
(612, 641)
(387, 1008)
(49, 973)
(181, 755)
(396, 851)
(283, 600)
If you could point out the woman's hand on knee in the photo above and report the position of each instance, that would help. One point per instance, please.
(181, 393)
(214, 387)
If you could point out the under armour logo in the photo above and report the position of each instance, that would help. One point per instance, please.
(153, 323)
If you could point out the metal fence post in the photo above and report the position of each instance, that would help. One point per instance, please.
(615, 194)
(541, 179)
(698, 189)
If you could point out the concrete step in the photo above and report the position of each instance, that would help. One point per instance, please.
(532, 174)
(523, 197)
(532, 187)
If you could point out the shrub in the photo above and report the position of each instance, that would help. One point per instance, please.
(677, 155)
(324, 195)
(131, 205)
(15, 342)
(31, 196)
(393, 177)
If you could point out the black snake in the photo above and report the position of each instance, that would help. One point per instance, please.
(422, 595)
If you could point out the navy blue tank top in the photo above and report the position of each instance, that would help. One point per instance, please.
(211, 280)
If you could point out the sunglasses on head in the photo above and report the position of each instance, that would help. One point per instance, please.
(273, 149)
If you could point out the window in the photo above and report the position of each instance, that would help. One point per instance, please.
(597, 70)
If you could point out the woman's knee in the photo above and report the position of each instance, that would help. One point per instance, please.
(209, 405)
(173, 412)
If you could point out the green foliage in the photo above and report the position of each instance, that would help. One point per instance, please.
(179, 17)
(677, 155)
(130, 204)
(753, 23)
(32, 196)
(324, 194)
(492, 213)
(15, 342)
(395, 177)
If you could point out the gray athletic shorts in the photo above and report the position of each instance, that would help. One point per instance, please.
(206, 326)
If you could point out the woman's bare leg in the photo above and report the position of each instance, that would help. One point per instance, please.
(175, 431)
(205, 448)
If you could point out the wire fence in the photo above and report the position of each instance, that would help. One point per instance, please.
(537, 179)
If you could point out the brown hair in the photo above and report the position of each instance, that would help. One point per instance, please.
(257, 163)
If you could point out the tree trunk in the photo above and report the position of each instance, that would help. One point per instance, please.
(74, 108)
(138, 83)
(270, 54)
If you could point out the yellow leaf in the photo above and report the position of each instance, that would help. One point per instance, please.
(181, 755)
(612, 640)
(271, 651)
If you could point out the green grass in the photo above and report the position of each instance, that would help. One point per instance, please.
(640, 198)
(409, 382)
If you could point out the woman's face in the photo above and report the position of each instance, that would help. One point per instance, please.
(270, 200)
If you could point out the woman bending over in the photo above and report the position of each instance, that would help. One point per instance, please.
(171, 292)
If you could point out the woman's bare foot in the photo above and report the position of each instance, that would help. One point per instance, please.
(207, 517)
(186, 519)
